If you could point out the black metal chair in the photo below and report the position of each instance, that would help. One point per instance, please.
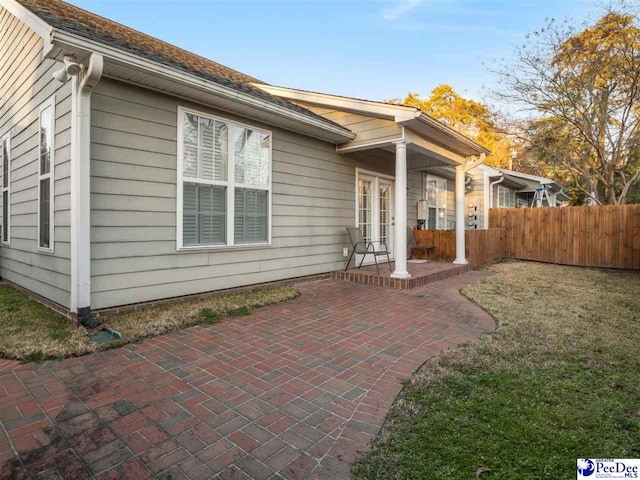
(364, 248)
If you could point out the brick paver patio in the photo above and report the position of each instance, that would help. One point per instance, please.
(295, 390)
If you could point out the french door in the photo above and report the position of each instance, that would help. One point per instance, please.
(374, 212)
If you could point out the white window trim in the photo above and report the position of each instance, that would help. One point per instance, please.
(51, 102)
(440, 224)
(230, 184)
(6, 222)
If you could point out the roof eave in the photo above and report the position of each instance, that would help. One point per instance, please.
(510, 181)
(66, 40)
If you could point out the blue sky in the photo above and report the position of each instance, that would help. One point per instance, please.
(369, 49)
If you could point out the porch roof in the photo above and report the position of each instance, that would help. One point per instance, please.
(380, 124)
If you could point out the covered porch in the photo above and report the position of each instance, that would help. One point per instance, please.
(392, 145)
(406, 159)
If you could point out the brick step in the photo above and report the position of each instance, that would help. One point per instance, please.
(418, 279)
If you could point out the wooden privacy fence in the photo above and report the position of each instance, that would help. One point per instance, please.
(481, 245)
(602, 236)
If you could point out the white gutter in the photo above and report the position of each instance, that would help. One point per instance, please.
(500, 180)
(174, 74)
(82, 87)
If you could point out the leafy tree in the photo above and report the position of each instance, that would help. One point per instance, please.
(469, 117)
(581, 86)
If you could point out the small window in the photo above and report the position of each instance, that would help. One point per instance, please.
(506, 197)
(436, 197)
(46, 164)
(224, 182)
(5, 158)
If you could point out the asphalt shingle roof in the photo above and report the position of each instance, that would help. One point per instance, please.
(71, 19)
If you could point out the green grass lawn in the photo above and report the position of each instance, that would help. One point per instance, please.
(557, 381)
(30, 331)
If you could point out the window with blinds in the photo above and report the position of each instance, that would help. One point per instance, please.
(436, 197)
(224, 184)
(45, 176)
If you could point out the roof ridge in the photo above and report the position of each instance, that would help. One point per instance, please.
(346, 97)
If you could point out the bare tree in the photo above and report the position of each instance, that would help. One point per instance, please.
(581, 88)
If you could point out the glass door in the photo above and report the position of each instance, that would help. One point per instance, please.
(384, 214)
(374, 206)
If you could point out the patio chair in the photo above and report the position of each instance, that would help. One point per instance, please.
(364, 248)
(413, 243)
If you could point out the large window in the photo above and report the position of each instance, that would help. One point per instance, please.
(45, 176)
(5, 158)
(436, 197)
(224, 182)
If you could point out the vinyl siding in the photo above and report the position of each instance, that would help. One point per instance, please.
(475, 196)
(367, 128)
(451, 204)
(133, 201)
(26, 83)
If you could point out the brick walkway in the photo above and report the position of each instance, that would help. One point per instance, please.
(294, 391)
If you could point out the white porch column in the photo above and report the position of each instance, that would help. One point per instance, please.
(460, 210)
(400, 207)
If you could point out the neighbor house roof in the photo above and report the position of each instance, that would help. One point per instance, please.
(527, 176)
(71, 19)
(520, 177)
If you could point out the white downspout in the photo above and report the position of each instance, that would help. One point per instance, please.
(460, 214)
(82, 86)
(491, 185)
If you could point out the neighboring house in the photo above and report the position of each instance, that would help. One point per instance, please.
(135, 171)
(492, 187)
(486, 187)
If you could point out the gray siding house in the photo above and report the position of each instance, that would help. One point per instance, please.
(135, 171)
